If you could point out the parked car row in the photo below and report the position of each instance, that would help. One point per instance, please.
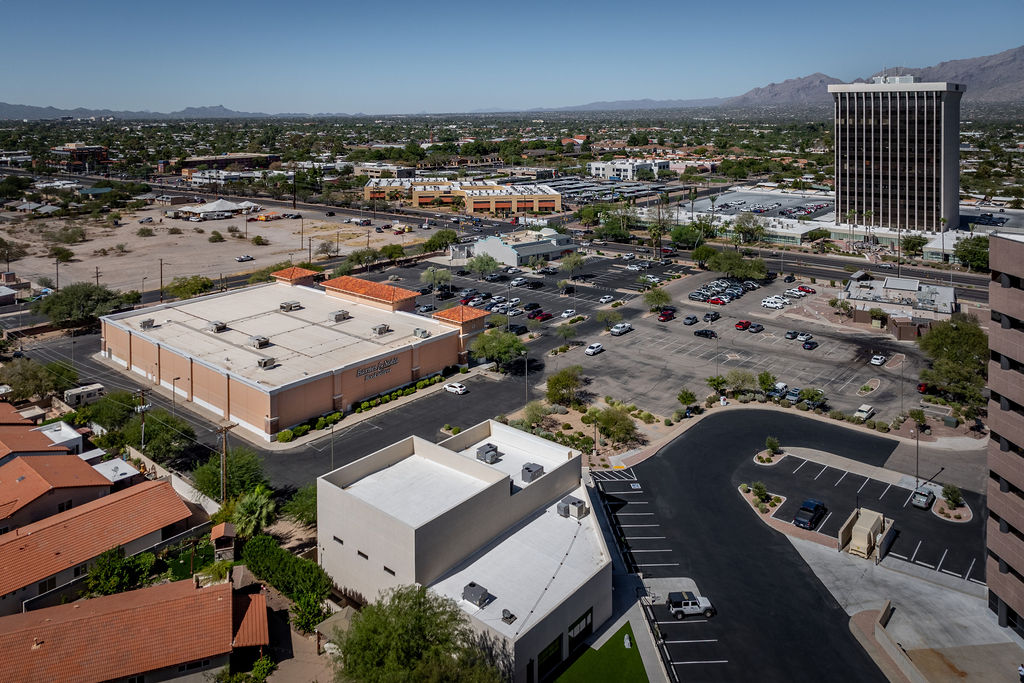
(723, 291)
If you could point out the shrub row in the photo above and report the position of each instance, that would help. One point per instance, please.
(288, 573)
(398, 393)
(322, 422)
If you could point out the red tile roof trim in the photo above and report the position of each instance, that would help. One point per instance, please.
(461, 314)
(377, 291)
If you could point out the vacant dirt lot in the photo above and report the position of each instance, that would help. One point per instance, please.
(187, 253)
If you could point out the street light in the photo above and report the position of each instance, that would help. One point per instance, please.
(142, 292)
(917, 456)
(332, 446)
(526, 375)
(173, 394)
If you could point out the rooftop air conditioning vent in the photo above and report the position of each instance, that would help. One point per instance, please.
(532, 471)
(258, 341)
(421, 333)
(290, 305)
(488, 453)
(266, 362)
(147, 323)
(338, 316)
(381, 329)
(216, 326)
(507, 616)
(475, 593)
(572, 507)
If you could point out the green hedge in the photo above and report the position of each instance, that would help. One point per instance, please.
(288, 573)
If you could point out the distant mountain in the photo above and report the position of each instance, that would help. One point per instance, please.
(995, 78)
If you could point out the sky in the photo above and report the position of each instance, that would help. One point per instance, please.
(394, 56)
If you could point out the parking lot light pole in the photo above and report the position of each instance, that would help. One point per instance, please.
(526, 376)
(173, 394)
(917, 456)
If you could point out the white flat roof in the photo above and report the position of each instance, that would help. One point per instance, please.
(416, 489)
(531, 569)
(303, 342)
(1015, 236)
(517, 452)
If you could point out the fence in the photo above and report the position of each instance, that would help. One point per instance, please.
(181, 486)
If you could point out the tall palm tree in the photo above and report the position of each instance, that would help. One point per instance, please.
(255, 511)
(693, 198)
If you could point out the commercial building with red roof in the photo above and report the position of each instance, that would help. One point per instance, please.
(272, 356)
(33, 488)
(171, 631)
(41, 556)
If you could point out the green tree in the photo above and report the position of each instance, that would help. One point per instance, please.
(27, 379)
(80, 303)
(167, 438)
(686, 237)
(188, 287)
(498, 346)
(61, 254)
(571, 263)
(702, 254)
(973, 252)
(749, 227)
(364, 257)
(436, 277)
(482, 264)
(740, 380)
(254, 511)
(811, 395)
(958, 351)
(567, 332)
(608, 317)
(301, 507)
(766, 381)
(717, 383)
(392, 252)
(913, 244)
(64, 376)
(733, 264)
(412, 634)
(535, 412)
(441, 240)
(686, 397)
(616, 424)
(657, 297)
(772, 444)
(953, 496)
(918, 416)
(112, 411)
(112, 572)
(563, 385)
(245, 473)
(307, 612)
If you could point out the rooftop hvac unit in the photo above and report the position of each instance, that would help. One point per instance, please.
(338, 316)
(266, 362)
(488, 453)
(381, 329)
(507, 616)
(421, 333)
(532, 471)
(290, 305)
(572, 507)
(258, 342)
(216, 326)
(475, 593)
(146, 323)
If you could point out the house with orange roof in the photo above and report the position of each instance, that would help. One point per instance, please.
(175, 630)
(39, 557)
(20, 440)
(33, 488)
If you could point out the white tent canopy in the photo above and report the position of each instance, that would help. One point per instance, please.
(221, 205)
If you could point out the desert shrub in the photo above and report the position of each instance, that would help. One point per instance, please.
(784, 403)
(882, 427)
(954, 498)
(174, 231)
(870, 424)
(836, 415)
(566, 426)
(285, 435)
(456, 430)
(802, 406)
(463, 370)
(301, 430)
(260, 241)
(744, 488)
(772, 444)
(215, 236)
(144, 232)
(668, 422)
(232, 228)
(760, 490)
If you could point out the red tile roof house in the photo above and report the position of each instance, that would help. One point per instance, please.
(18, 440)
(41, 556)
(33, 488)
(171, 631)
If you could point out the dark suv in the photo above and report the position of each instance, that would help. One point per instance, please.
(810, 513)
(707, 334)
(711, 316)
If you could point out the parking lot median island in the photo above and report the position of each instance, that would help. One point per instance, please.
(767, 515)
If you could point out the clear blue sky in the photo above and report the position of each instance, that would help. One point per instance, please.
(395, 56)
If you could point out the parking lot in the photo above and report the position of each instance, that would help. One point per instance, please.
(733, 203)
(923, 538)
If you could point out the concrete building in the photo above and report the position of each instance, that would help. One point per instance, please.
(242, 160)
(80, 157)
(271, 356)
(517, 248)
(477, 196)
(1004, 567)
(494, 518)
(902, 297)
(626, 169)
(897, 152)
(380, 169)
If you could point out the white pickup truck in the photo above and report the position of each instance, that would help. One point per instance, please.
(864, 412)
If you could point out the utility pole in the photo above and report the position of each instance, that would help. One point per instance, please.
(310, 249)
(161, 280)
(223, 431)
(141, 409)
(56, 285)
(97, 276)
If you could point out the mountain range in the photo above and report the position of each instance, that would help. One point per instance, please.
(997, 78)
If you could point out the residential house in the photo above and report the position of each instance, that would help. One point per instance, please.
(33, 488)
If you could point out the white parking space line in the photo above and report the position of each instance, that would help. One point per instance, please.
(866, 480)
(800, 465)
(946, 571)
(885, 491)
(942, 559)
(908, 499)
(823, 523)
(852, 377)
(841, 478)
(822, 472)
(968, 573)
(925, 564)
(915, 550)
(637, 502)
(902, 557)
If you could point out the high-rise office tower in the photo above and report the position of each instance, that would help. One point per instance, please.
(1004, 568)
(897, 152)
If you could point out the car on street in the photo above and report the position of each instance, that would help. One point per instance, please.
(455, 388)
(922, 498)
(665, 316)
(807, 290)
(606, 299)
(511, 270)
(810, 513)
(594, 349)
(499, 299)
(690, 320)
(620, 329)
(742, 325)
(810, 345)
(804, 336)
(544, 316)
(922, 387)
(633, 267)
(628, 257)
(569, 312)
(518, 282)
(878, 360)
(755, 328)
(518, 329)
(712, 316)
(707, 334)
(791, 334)
(243, 258)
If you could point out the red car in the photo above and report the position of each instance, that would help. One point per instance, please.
(922, 388)
(544, 316)
(467, 300)
(807, 290)
(716, 300)
(534, 314)
(666, 316)
(743, 324)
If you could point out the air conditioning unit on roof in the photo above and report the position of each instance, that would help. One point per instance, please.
(216, 326)
(572, 507)
(338, 316)
(421, 333)
(146, 323)
(258, 341)
(381, 329)
(290, 305)
(266, 362)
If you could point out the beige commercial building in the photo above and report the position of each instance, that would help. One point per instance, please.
(271, 356)
(478, 196)
(494, 518)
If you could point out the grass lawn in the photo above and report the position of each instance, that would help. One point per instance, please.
(180, 564)
(613, 662)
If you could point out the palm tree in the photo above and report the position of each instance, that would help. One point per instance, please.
(255, 511)
(693, 198)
